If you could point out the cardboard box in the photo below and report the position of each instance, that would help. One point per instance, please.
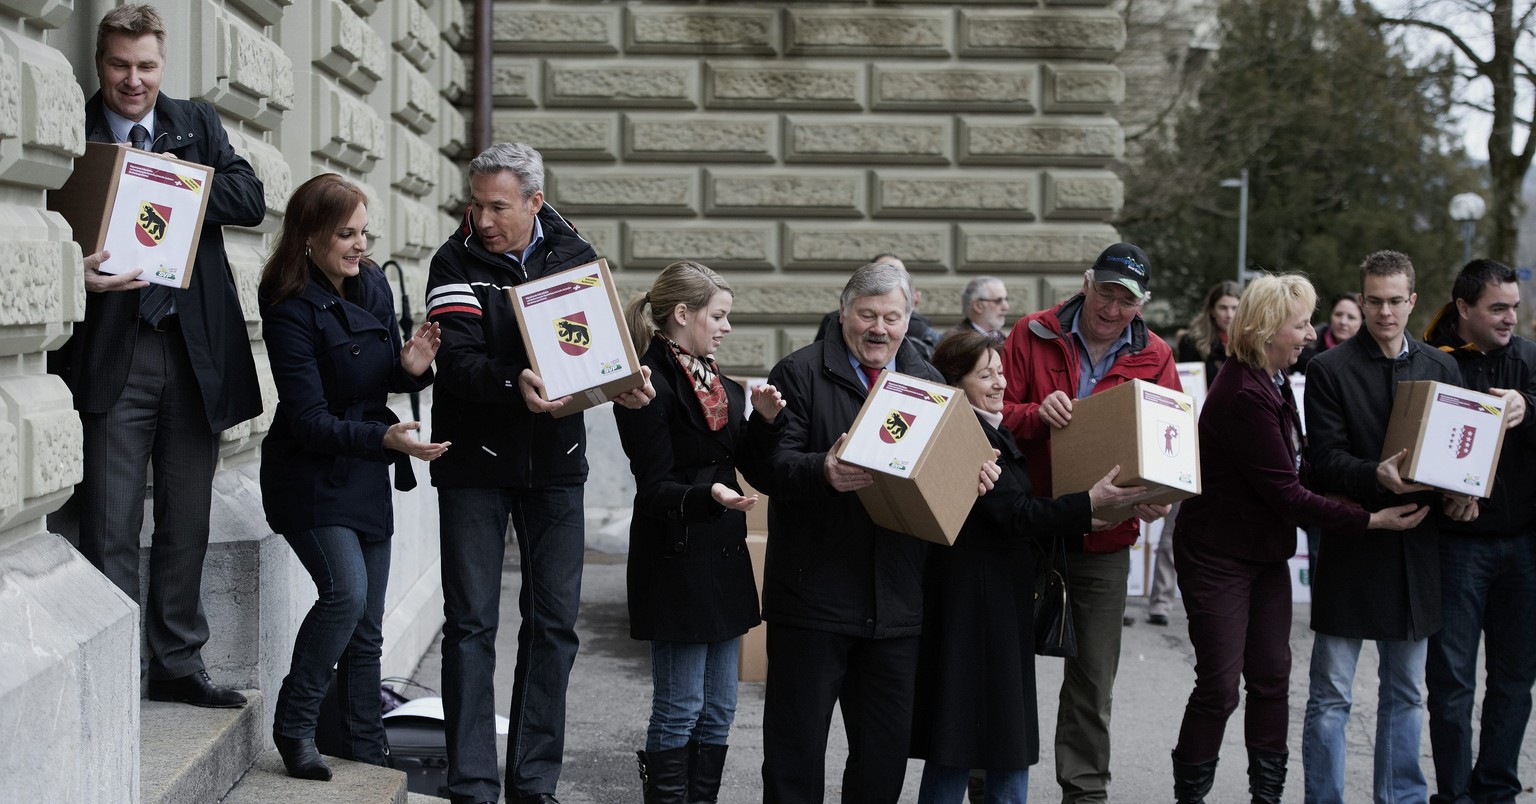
(577, 340)
(1453, 436)
(925, 447)
(1148, 430)
(753, 663)
(145, 208)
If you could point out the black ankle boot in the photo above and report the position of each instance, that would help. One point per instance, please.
(708, 763)
(665, 775)
(1191, 783)
(1266, 776)
(301, 759)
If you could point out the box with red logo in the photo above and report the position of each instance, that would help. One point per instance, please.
(1147, 430)
(925, 447)
(145, 208)
(1453, 436)
(577, 340)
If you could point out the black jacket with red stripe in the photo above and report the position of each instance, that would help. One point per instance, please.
(497, 441)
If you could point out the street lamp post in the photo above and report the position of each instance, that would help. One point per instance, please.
(1241, 184)
(1467, 209)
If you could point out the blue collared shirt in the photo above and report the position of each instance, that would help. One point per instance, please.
(533, 242)
(853, 360)
(1088, 372)
(121, 126)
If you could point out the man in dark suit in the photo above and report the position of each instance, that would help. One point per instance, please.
(157, 372)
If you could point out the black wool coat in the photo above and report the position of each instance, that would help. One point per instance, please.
(975, 704)
(690, 578)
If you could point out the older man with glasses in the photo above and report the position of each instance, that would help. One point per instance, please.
(984, 303)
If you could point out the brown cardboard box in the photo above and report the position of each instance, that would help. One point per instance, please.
(578, 343)
(145, 208)
(922, 442)
(1148, 430)
(1453, 436)
(753, 664)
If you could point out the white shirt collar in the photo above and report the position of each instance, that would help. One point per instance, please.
(121, 126)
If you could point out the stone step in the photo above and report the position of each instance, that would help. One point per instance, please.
(351, 783)
(191, 755)
(422, 798)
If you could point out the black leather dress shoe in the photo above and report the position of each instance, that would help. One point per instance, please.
(197, 689)
(301, 759)
(1157, 619)
(538, 798)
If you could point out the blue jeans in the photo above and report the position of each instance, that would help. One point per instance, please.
(1399, 716)
(946, 784)
(1489, 587)
(693, 695)
(344, 629)
(551, 541)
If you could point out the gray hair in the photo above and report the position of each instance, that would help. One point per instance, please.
(973, 290)
(877, 279)
(524, 162)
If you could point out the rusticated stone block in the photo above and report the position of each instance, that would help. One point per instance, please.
(672, 85)
(996, 194)
(677, 138)
(452, 76)
(245, 263)
(657, 244)
(1056, 289)
(264, 12)
(452, 131)
(918, 141)
(826, 32)
(345, 45)
(804, 300)
(690, 31)
(344, 128)
(48, 429)
(43, 13)
(414, 163)
(846, 247)
(1082, 196)
(587, 29)
(604, 237)
(417, 231)
(10, 464)
(52, 108)
(365, 8)
(769, 86)
(584, 136)
(29, 273)
(275, 174)
(1083, 88)
(755, 350)
(10, 97)
(998, 247)
(989, 33)
(601, 191)
(827, 193)
(415, 101)
(513, 83)
(262, 70)
(1009, 89)
(419, 38)
(1090, 142)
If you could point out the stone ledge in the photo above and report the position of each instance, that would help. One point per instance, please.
(191, 755)
(351, 783)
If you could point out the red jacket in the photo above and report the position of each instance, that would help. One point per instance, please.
(1039, 357)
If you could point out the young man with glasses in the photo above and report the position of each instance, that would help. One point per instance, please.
(984, 303)
(1381, 586)
(1090, 342)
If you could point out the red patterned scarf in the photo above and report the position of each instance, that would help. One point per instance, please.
(707, 386)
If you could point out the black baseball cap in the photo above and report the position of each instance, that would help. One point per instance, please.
(1126, 264)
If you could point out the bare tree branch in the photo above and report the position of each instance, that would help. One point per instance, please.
(1455, 38)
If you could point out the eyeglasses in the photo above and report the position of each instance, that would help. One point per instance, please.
(1396, 303)
(1110, 297)
(998, 300)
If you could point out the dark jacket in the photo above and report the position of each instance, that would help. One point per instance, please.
(1511, 508)
(975, 704)
(690, 578)
(1379, 584)
(829, 568)
(97, 358)
(335, 361)
(1189, 352)
(497, 441)
(1251, 473)
(1325, 341)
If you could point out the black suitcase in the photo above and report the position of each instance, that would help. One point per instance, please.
(419, 747)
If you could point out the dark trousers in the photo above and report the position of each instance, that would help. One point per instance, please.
(808, 673)
(344, 630)
(160, 420)
(1489, 588)
(551, 543)
(1240, 626)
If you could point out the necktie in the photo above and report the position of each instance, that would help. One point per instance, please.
(871, 374)
(155, 300)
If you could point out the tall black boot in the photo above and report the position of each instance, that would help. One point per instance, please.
(1266, 776)
(1191, 783)
(704, 772)
(665, 775)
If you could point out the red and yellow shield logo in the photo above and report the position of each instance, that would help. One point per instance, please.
(153, 221)
(896, 426)
(572, 332)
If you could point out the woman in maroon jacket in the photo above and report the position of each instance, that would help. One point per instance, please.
(1235, 539)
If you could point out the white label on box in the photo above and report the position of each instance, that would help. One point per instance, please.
(576, 339)
(1168, 452)
(154, 219)
(908, 415)
(1460, 435)
(1195, 383)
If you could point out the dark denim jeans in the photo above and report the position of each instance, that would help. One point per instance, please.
(1489, 588)
(344, 629)
(551, 540)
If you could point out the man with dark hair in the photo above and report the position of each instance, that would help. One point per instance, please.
(158, 372)
(1382, 585)
(1488, 565)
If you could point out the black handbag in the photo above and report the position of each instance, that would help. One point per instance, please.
(1054, 633)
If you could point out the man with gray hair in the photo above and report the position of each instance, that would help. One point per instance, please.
(516, 463)
(842, 596)
(984, 303)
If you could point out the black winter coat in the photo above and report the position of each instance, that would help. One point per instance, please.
(690, 578)
(1379, 584)
(335, 361)
(975, 703)
(829, 568)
